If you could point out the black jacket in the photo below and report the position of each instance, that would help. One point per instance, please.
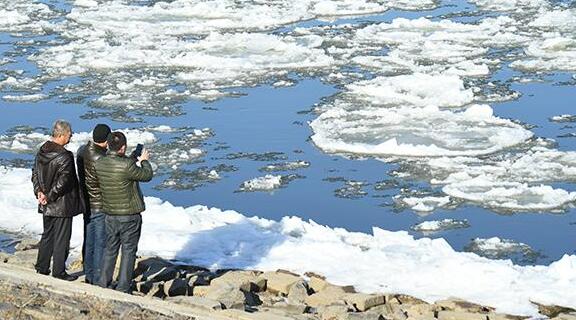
(54, 174)
(118, 177)
(89, 186)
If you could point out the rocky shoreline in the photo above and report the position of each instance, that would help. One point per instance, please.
(220, 294)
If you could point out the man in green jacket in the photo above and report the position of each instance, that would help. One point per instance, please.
(123, 202)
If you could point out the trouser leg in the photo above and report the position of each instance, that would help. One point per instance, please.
(88, 249)
(46, 246)
(110, 252)
(130, 235)
(99, 244)
(62, 234)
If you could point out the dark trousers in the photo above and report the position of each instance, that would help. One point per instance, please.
(54, 245)
(121, 231)
(94, 245)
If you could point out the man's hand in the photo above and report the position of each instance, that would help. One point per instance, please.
(145, 155)
(42, 198)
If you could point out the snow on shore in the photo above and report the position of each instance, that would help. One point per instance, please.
(383, 261)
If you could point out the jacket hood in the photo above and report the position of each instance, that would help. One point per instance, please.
(50, 150)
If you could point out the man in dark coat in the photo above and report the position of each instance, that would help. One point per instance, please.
(56, 188)
(94, 228)
(123, 202)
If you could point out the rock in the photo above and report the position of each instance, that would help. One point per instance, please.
(4, 257)
(499, 316)
(157, 274)
(329, 295)
(317, 283)
(199, 302)
(199, 278)
(241, 315)
(279, 282)
(419, 311)
(176, 287)
(144, 286)
(26, 244)
(563, 316)
(454, 304)
(363, 302)
(552, 311)
(24, 258)
(200, 291)
(289, 308)
(156, 290)
(268, 299)
(298, 292)
(146, 263)
(460, 315)
(244, 280)
(403, 299)
(334, 311)
(388, 311)
(230, 296)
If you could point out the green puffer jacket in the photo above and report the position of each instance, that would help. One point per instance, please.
(118, 176)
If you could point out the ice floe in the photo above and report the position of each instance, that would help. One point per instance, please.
(429, 269)
(266, 183)
(440, 225)
(496, 248)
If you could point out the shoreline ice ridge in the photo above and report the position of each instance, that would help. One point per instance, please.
(384, 261)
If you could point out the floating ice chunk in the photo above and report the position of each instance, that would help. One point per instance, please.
(430, 268)
(266, 183)
(25, 98)
(414, 131)
(509, 195)
(496, 248)
(440, 225)
(509, 5)
(564, 118)
(415, 89)
(8, 18)
(22, 15)
(557, 53)
(425, 204)
(295, 165)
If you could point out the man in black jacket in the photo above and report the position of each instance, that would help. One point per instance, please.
(119, 178)
(94, 228)
(56, 188)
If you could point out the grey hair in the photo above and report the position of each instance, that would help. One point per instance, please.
(60, 128)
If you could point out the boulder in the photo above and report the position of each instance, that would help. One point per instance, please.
(333, 312)
(199, 278)
(460, 315)
(298, 292)
(157, 274)
(552, 311)
(244, 280)
(156, 290)
(200, 291)
(330, 295)
(454, 304)
(317, 284)
(388, 311)
(229, 296)
(564, 316)
(199, 302)
(241, 315)
(26, 244)
(279, 282)
(419, 311)
(363, 302)
(176, 287)
(288, 308)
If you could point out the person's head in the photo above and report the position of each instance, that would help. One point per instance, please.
(117, 142)
(100, 134)
(61, 132)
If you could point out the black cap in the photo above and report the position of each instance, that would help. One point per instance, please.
(100, 133)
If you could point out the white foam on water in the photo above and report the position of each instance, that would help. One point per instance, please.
(426, 268)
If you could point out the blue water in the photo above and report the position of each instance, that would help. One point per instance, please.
(268, 119)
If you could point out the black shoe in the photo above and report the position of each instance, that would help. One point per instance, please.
(66, 277)
(43, 272)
